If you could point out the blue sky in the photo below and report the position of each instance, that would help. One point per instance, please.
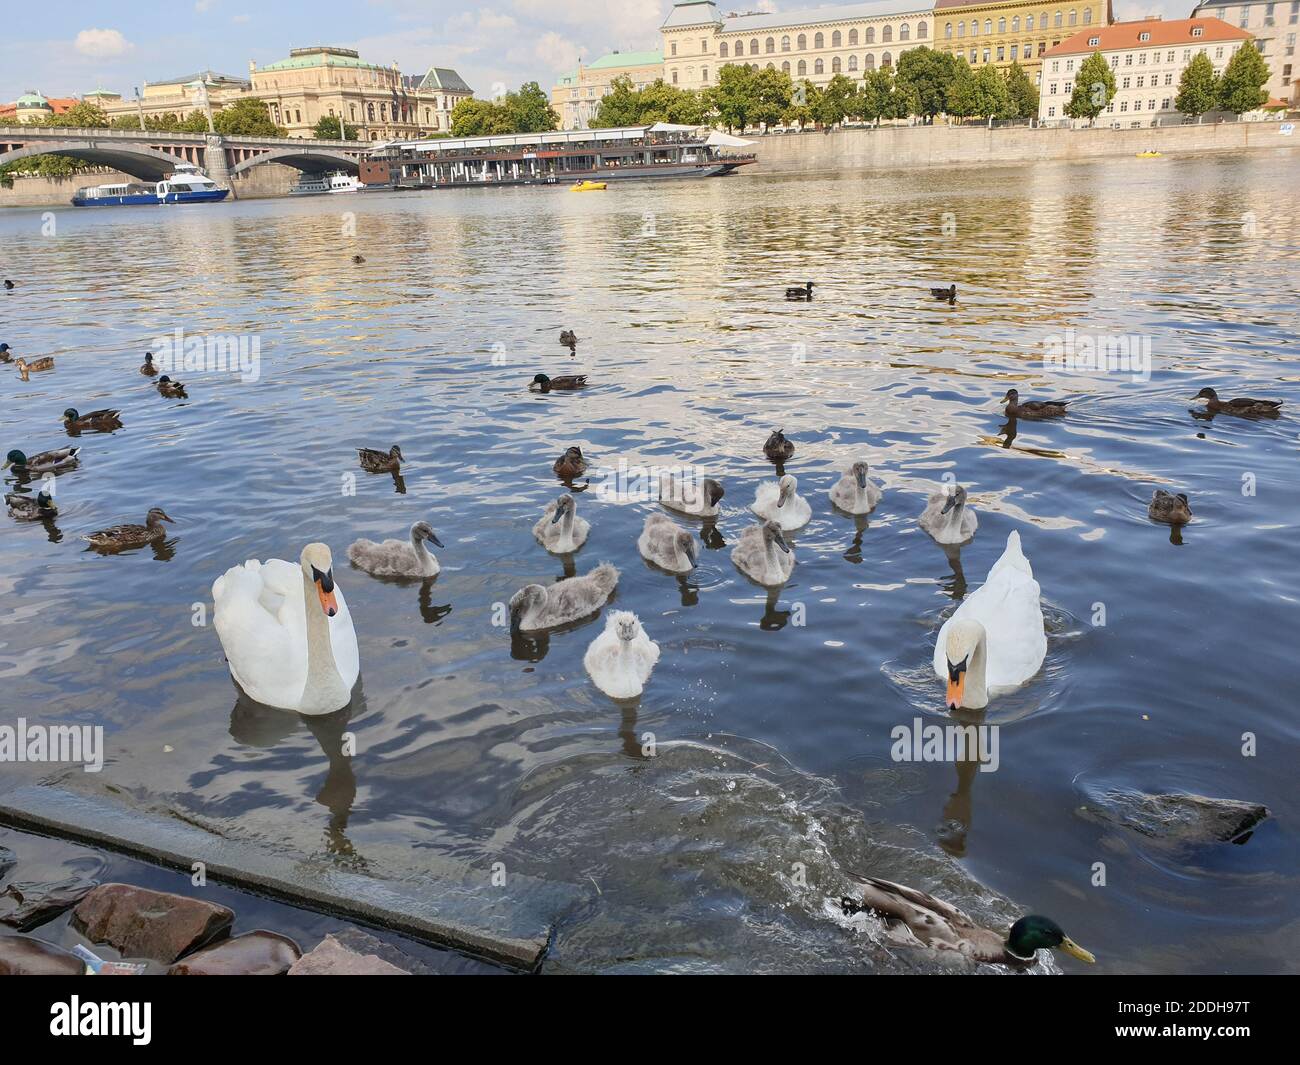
(71, 48)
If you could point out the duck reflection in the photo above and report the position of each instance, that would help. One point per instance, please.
(711, 536)
(632, 743)
(773, 620)
(958, 810)
(690, 593)
(399, 484)
(1008, 432)
(431, 614)
(954, 586)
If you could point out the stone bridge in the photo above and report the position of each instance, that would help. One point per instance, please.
(151, 156)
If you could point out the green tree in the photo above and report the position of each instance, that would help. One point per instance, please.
(773, 91)
(876, 95)
(1094, 88)
(477, 118)
(246, 118)
(838, 100)
(1022, 97)
(1198, 88)
(960, 97)
(1241, 88)
(989, 97)
(327, 129)
(660, 102)
(805, 101)
(82, 115)
(733, 97)
(923, 78)
(621, 106)
(529, 110)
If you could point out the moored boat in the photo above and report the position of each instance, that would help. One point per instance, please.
(324, 184)
(187, 184)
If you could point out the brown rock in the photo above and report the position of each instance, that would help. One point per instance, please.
(25, 906)
(257, 953)
(332, 958)
(25, 956)
(149, 924)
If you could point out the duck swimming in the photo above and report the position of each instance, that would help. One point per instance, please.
(9, 285)
(358, 258)
(568, 338)
(171, 389)
(540, 606)
(914, 919)
(560, 530)
(800, 292)
(1033, 409)
(1169, 508)
(699, 500)
(763, 556)
(374, 461)
(1243, 406)
(287, 632)
(23, 507)
(96, 419)
(780, 502)
(568, 383)
(948, 294)
(62, 458)
(778, 448)
(147, 367)
(570, 465)
(35, 366)
(996, 640)
(621, 658)
(398, 558)
(947, 517)
(121, 537)
(854, 492)
(4, 353)
(667, 545)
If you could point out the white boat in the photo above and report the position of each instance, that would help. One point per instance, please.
(187, 184)
(324, 184)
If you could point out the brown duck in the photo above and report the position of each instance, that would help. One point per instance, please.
(147, 367)
(1170, 509)
(389, 461)
(172, 389)
(570, 465)
(121, 537)
(778, 448)
(1243, 406)
(948, 295)
(103, 420)
(1033, 408)
(35, 366)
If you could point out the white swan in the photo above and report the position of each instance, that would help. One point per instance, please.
(544, 606)
(287, 632)
(947, 517)
(995, 641)
(762, 555)
(781, 503)
(667, 545)
(854, 492)
(398, 558)
(700, 500)
(560, 530)
(620, 658)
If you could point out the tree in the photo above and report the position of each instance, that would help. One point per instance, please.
(621, 106)
(246, 118)
(660, 102)
(1198, 88)
(923, 78)
(1094, 88)
(960, 97)
(805, 101)
(989, 97)
(477, 118)
(838, 100)
(1022, 97)
(876, 95)
(733, 96)
(327, 129)
(82, 115)
(773, 91)
(1241, 88)
(529, 110)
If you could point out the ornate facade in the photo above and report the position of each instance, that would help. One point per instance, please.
(1018, 30)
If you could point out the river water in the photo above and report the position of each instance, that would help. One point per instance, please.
(706, 825)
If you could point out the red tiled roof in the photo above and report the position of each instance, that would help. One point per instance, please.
(1128, 35)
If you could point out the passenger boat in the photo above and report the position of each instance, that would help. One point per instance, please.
(564, 156)
(589, 186)
(188, 184)
(324, 184)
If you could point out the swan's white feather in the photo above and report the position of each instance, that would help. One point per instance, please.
(794, 515)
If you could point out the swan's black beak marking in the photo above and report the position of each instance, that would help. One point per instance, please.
(952, 502)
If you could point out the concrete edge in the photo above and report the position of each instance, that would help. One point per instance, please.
(453, 906)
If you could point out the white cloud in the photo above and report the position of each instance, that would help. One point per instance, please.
(558, 53)
(102, 44)
(202, 5)
(629, 24)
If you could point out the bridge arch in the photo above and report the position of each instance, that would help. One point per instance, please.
(305, 159)
(138, 160)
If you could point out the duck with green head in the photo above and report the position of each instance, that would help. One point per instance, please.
(171, 389)
(100, 420)
(62, 458)
(567, 383)
(24, 507)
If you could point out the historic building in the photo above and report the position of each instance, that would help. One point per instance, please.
(1274, 26)
(1147, 58)
(33, 107)
(1018, 31)
(576, 96)
(813, 44)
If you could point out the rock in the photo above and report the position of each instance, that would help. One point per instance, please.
(141, 923)
(1181, 818)
(257, 953)
(7, 861)
(25, 956)
(362, 942)
(332, 958)
(25, 906)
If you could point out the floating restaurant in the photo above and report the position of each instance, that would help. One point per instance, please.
(661, 150)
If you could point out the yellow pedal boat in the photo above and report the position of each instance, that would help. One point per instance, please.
(1149, 155)
(589, 186)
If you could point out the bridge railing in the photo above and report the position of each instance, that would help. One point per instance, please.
(28, 133)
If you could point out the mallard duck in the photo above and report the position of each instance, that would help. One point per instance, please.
(9, 284)
(762, 555)
(389, 461)
(568, 338)
(568, 383)
(667, 545)
(120, 537)
(778, 448)
(358, 259)
(996, 640)
(172, 389)
(570, 465)
(4, 353)
(560, 530)
(1169, 508)
(800, 292)
(61, 458)
(541, 606)
(913, 918)
(947, 517)
(147, 367)
(948, 295)
(287, 632)
(398, 558)
(621, 658)
(96, 419)
(855, 492)
(699, 500)
(1034, 408)
(1243, 406)
(35, 366)
(31, 508)
(782, 503)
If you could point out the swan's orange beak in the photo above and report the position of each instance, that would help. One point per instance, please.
(956, 690)
(327, 601)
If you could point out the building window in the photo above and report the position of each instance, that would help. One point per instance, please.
(904, 32)
(1001, 53)
(947, 31)
(887, 34)
(961, 29)
(803, 67)
(785, 44)
(674, 47)
(1087, 16)
(704, 73)
(853, 38)
(801, 42)
(819, 41)
(869, 63)
(1029, 21)
(1074, 17)
(871, 35)
(1093, 42)
(921, 31)
(836, 40)
(1029, 51)
(722, 49)
(753, 46)
(1058, 19)
(786, 66)
(988, 25)
(1051, 112)
(1002, 25)
(819, 67)
(835, 65)
(853, 63)
(1197, 31)
(1144, 36)
(770, 45)
(674, 77)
